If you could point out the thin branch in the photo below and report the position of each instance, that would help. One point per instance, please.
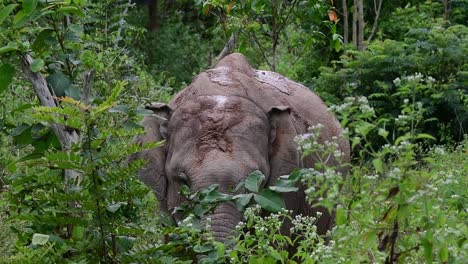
(87, 79)
(263, 51)
(345, 22)
(377, 15)
(121, 24)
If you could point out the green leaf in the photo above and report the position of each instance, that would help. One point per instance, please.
(20, 18)
(78, 232)
(73, 92)
(270, 200)
(29, 6)
(444, 254)
(242, 200)
(254, 180)
(427, 245)
(71, 10)
(22, 135)
(295, 176)
(37, 65)
(202, 248)
(6, 11)
(378, 164)
(6, 76)
(424, 136)
(120, 109)
(59, 82)
(9, 47)
(340, 216)
(215, 196)
(31, 157)
(364, 128)
(114, 207)
(383, 133)
(283, 189)
(39, 239)
(143, 112)
(41, 43)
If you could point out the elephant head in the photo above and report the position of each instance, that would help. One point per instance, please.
(214, 139)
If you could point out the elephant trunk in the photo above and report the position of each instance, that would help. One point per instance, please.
(223, 221)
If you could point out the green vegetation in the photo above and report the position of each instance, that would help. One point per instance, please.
(67, 194)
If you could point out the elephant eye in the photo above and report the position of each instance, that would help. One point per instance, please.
(182, 177)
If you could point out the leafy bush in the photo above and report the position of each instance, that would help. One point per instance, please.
(177, 50)
(427, 66)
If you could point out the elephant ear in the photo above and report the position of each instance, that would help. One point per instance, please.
(153, 172)
(283, 154)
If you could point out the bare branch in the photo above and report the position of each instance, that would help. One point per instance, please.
(121, 24)
(377, 15)
(87, 79)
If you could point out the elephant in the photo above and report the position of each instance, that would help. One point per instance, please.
(230, 121)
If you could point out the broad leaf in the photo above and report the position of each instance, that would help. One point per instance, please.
(254, 180)
(37, 65)
(216, 196)
(378, 164)
(6, 11)
(283, 189)
(73, 92)
(9, 47)
(78, 232)
(40, 239)
(340, 216)
(42, 41)
(270, 200)
(120, 109)
(243, 200)
(29, 6)
(114, 207)
(6, 75)
(59, 82)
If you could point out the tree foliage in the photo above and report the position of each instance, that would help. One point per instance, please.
(400, 95)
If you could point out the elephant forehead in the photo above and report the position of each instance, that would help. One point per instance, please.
(216, 122)
(217, 107)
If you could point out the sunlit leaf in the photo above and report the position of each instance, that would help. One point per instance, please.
(254, 180)
(39, 239)
(270, 200)
(6, 11)
(29, 6)
(37, 65)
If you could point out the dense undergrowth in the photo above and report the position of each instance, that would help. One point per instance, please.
(403, 102)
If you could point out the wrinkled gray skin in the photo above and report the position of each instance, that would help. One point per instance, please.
(231, 121)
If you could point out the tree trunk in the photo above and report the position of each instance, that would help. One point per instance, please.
(345, 22)
(66, 138)
(153, 15)
(275, 34)
(446, 9)
(355, 19)
(228, 48)
(361, 25)
(377, 16)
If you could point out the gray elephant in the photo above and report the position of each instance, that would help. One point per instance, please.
(230, 121)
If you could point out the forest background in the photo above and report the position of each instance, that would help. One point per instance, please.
(394, 72)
